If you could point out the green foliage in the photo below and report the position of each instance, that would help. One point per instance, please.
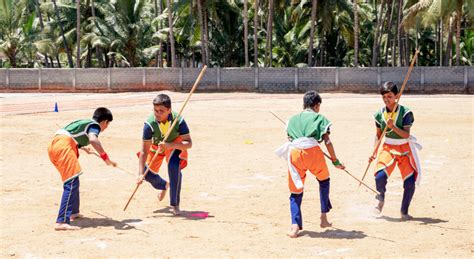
(131, 32)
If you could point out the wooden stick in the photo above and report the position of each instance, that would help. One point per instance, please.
(201, 74)
(118, 167)
(392, 113)
(326, 155)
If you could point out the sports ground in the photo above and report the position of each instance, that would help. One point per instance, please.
(235, 180)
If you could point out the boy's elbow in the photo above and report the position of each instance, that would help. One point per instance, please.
(189, 144)
(94, 141)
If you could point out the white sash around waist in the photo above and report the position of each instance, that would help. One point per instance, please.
(284, 152)
(414, 146)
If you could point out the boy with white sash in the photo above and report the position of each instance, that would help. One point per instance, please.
(305, 131)
(399, 148)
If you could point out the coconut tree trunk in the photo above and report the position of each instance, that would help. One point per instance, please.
(40, 17)
(441, 44)
(159, 54)
(314, 7)
(206, 32)
(436, 42)
(78, 33)
(59, 62)
(417, 44)
(407, 48)
(375, 46)
(51, 61)
(89, 56)
(399, 38)
(322, 44)
(356, 32)
(449, 46)
(269, 33)
(160, 50)
(106, 58)
(98, 52)
(203, 30)
(383, 30)
(68, 51)
(389, 36)
(246, 29)
(255, 34)
(458, 32)
(171, 33)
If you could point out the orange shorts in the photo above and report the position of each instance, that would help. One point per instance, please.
(302, 160)
(399, 155)
(64, 155)
(156, 163)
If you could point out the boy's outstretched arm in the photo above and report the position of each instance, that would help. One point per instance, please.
(142, 159)
(332, 153)
(95, 143)
(378, 135)
(186, 143)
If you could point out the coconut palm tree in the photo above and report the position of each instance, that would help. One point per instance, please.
(356, 32)
(65, 44)
(255, 33)
(268, 51)
(171, 33)
(314, 7)
(78, 33)
(246, 45)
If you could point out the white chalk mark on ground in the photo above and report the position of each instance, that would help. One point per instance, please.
(263, 177)
(319, 251)
(336, 251)
(434, 161)
(102, 245)
(30, 256)
(364, 213)
(206, 196)
(86, 239)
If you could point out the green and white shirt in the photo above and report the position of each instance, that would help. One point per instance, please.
(403, 117)
(79, 131)
(308, 124)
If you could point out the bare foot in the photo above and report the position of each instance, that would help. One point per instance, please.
(162, 194)
(405, 217)
(324, 221)
(65, 226)
(379, 207)
(175, 210)
(293, 233)
(76, 216)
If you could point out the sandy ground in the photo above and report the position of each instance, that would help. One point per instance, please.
(234, 176)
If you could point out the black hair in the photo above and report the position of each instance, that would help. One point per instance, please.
(162, 99)
(102, 114)
(388, 87)
(310, 99)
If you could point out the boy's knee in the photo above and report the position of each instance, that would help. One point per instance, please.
(380, 175)
(324, 183)
(409, 183)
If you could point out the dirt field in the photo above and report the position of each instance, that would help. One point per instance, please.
(233, 175)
